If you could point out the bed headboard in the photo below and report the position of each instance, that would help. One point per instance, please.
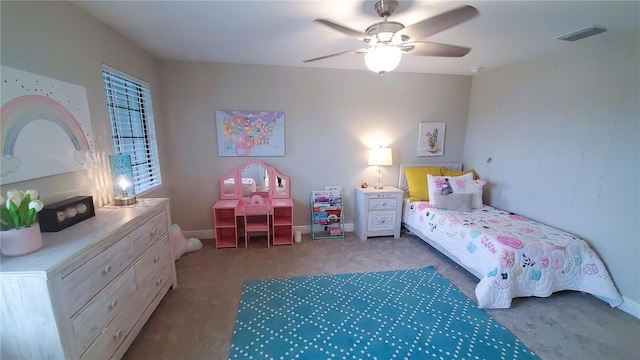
(402, 179)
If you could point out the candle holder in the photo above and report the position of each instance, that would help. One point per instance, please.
(122, 179)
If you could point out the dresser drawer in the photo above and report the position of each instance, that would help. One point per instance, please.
(92, 319)
(148, 233)
(86, 281)
(114, 333)
(383, 203)
(154, 258)
(152, 286)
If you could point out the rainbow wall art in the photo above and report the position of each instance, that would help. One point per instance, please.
(46, 128)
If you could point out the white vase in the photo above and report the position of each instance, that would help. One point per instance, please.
(22, 241)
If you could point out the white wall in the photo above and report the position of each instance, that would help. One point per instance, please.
(332, 118)
(61, 41)
(563, 132)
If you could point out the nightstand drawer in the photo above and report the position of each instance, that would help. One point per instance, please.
(381, 221)
(383, 203)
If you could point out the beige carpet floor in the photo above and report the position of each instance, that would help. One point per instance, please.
(195, 321)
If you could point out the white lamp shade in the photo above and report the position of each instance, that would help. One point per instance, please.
(383, 59)
(380, 156)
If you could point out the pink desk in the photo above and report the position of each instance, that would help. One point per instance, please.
(228, 219)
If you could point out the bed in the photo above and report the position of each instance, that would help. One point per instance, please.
(248, 186)
(512, 255)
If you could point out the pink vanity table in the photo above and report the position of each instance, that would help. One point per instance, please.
(253, 183)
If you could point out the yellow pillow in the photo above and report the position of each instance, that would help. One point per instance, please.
(446, 172)
(417, 181)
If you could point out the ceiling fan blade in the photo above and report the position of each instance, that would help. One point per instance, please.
(432, 49)
(438, 23)
(343, 29)
(336, 54)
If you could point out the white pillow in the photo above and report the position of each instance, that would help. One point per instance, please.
(463, 184)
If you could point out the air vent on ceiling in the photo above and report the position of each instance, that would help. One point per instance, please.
(582, 33)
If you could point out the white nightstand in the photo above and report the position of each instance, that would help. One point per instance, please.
(378, 212)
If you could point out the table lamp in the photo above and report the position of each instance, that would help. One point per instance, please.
(379, 157)
(122, 179)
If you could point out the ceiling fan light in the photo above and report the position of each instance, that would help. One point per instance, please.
(385, 36)
(383, 59)
(397, 39)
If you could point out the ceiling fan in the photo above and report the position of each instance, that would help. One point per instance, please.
(388, 40)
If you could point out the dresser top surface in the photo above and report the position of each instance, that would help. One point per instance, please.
(60, 247)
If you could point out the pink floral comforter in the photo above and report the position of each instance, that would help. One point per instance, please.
(517, 256)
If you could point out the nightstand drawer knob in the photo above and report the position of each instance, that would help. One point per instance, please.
(156, 259)
(114, 303)
(107, 269)
(153, 232)
(118, 334)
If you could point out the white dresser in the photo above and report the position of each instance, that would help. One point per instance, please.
(378, 212)
(87, 293)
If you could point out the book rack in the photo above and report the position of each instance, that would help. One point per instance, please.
(327, 217)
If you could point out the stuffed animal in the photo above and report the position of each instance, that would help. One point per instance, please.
(180, 245)
(446, 187)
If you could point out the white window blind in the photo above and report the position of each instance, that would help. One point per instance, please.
(132, 127)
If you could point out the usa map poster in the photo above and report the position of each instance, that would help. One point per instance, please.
(250, 133)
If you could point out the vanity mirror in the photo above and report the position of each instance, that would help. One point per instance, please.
(280, 186)
(254, 176)
(228, 188)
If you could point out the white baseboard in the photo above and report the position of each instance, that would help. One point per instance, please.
(630, 307)
(306, 229)
(210, 234)
(199, 234)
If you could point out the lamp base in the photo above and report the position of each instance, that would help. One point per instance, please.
(124, 200)
(379, 179)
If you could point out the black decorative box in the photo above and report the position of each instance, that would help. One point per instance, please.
(61, 215)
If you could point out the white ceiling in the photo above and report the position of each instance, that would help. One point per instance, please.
(283, 32)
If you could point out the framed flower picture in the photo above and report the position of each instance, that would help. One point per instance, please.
(431, 139)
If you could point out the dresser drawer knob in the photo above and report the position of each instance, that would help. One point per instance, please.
(153, 232)
(118, 334)
(114, 303)
(159, 281)
(107, 269)
(156, 259)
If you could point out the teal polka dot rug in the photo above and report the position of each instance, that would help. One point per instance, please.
(404, 314)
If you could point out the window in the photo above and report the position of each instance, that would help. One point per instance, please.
(132, 127)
